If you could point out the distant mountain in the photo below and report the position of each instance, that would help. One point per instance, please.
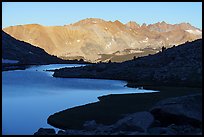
(98, 40)
(15, 51)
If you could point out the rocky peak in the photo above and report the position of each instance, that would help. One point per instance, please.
(132, 25)
(160, 27)
(31, 25)
(89, 21)
(159, 23)
(163, 22)
(186, 26)
(144, 25)
(118, 22)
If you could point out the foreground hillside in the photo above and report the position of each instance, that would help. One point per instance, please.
(176, 66)
(98, 40)
(18, 54)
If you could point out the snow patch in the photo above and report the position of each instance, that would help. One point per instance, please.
(9, 61)
(196, 32)
(132, 44)
(108, 45)
(138, 51)
(146, 40)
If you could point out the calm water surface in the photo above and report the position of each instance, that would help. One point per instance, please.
(30, 96)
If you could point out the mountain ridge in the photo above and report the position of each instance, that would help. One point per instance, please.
(90, 38)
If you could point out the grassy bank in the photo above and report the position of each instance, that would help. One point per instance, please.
(110, 108)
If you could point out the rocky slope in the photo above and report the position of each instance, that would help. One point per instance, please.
(17, 54)
(94, 39)
(24, 53)
(176, 66)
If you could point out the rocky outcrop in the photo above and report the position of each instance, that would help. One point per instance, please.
(179, 110)
(90, 125)
(97, 40)
(45, 131)
(170, 130)
(139, 121)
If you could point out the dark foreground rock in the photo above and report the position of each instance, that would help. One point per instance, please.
(171, 130)
(7, 67)
(45, 131)
(172, 116)
(179, 110)
(175, 130)
(139, 121)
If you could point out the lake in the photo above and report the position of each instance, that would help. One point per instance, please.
(30, 96)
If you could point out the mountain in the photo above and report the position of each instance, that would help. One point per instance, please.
(15, 51)
(95, 40)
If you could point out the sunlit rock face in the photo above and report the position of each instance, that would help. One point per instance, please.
(90, 38)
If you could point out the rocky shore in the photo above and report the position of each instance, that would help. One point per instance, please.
(172, 116)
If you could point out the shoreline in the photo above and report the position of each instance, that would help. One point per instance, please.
(10, 67)
(113, 106)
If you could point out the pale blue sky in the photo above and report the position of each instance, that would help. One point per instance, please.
(61, 13)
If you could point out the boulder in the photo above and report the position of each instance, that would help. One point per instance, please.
(80, 132)
(105, 128)
(45, 131)
(139, 121)
(185, 129)
(179, 110)
(61, 132)
(161, 131)
(74, 132)
(90, 125)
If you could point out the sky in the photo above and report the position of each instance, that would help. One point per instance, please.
(64, 13)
